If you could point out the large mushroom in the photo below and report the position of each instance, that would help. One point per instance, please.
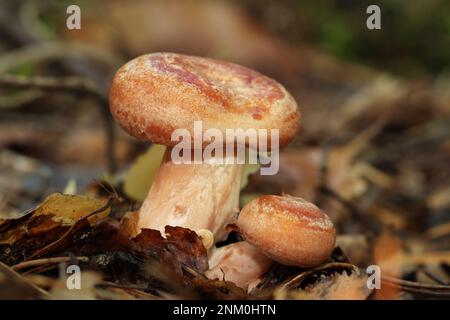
(155, 94)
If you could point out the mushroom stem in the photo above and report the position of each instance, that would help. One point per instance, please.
(194, 196)
(240, 263)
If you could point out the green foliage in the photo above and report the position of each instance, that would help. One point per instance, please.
(414, 40)
(26, 69)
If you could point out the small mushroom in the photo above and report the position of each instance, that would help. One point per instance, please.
(288, 230)
(240, 263)
(155, 94)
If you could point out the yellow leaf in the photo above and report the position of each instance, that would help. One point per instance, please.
(69, 208)
(71, 187)
(140, 177)
(249, 169)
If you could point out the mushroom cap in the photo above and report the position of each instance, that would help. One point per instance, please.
(288, 230)
(154, 94)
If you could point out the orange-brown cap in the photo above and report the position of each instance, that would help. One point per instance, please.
(154, 94)
(288, 229)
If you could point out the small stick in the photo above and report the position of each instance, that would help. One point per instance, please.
(412, 284)
(434, 277)
(45, 261)
(72, 84)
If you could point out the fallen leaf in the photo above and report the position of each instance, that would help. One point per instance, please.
(140, 176)
(45, 227)
(181, 247)
(388, 255)
(70, 208)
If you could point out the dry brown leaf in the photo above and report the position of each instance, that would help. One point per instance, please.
(181, 247)
(388, 255)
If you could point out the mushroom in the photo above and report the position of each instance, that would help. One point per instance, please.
(155, 94)
(289, 230)
(285, 229)
(240, 263)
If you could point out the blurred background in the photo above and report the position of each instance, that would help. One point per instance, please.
(374, 148)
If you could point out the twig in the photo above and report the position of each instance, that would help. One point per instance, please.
(106, 284)
(135, 290)
(19, 99)
(433, 277)
(415, 287)
(77, 85)
(411, 284)
(438, 231)
(421, 291)
(56, 50)
(46, 261)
